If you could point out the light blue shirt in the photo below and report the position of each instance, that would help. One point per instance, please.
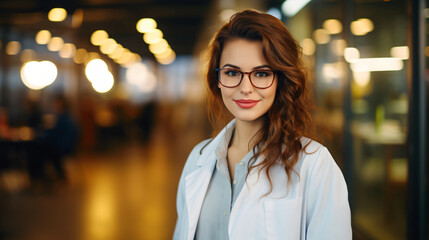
(221, 194)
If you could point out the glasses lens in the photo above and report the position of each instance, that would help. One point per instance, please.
(262, 78)
(229, 77)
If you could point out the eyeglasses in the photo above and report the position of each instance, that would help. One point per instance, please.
(261, 78)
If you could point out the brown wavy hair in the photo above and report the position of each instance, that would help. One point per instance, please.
(289, 118)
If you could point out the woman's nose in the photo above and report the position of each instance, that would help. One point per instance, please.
(246, 86)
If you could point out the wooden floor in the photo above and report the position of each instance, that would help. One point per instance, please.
(126, 193)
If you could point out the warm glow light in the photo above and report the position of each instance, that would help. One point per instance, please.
(43, 37)
(145, 25)
(138, 75)
(118, 52)
(80, 56)
(92, 56)
(68, 50)
(333, 71)
(153, 36)
(376, 64)
(55, 44)
(159, 47)
(37, 75)
(321, 36)
(292, 7)
(94, 68)
(308, 46)
(351, 54)
(166, 54)
(98, 37)
(333, 26)
(427, 51)
(13, 48)
(401, 52)
(57, 14)
(361, 26)
(126, 57)
(338, 46)
(27, 55)
(361, 78)
(167, 60)
(108, 46)
(99, 75)
(103, 82)
(226, 14)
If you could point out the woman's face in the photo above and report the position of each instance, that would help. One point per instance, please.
(246, 102)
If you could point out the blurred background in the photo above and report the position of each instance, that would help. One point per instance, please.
(101, 101)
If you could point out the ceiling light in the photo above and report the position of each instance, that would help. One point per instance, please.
(292, 7)
(145, 25)
(43, 36)
(57, 14)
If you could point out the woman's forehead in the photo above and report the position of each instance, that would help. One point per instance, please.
(243, 53)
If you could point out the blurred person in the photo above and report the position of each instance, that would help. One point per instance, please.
(262, 176)
(61, 139)
(57, 142)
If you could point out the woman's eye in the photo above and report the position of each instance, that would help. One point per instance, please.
(262, 74)
(232, 73)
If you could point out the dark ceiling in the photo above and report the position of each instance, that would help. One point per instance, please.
(180, 20)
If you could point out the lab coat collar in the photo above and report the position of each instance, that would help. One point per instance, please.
(198, 181)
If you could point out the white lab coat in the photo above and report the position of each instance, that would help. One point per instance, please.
(314, 207)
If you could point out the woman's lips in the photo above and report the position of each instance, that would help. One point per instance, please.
(246, 103)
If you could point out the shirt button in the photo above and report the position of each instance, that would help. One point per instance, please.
(226, 213)
(241, 163)
(235, 182)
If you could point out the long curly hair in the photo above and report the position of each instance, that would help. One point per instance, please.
(289, 118)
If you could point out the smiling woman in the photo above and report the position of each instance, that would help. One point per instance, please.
(262, 176)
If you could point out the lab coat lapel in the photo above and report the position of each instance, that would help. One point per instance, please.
(196, 187)
(198, 181)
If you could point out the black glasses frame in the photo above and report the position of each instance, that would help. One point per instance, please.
(242, 75)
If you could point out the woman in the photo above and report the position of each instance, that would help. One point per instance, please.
(260, 177)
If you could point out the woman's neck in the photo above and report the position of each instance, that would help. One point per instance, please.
(245, 131)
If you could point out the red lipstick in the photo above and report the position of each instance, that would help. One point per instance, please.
(246, 103)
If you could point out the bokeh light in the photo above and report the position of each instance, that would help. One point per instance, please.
(145, 25)
(57, 14)
(351, 54)
(27, 55)
(321, 36)
(159, 47)
(80, 56)
(55, 44)
(108, 46)
(401, 52)
(98, 37)
(68, 50)
(153, 36)
(37, 75)
(308, 46)
(333, 26)
(99, 75)
(13, 48)
(361, 26)
(43, 37)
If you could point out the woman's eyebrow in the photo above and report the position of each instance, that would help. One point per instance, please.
(263, 66)
(230, 65)
(233, 66)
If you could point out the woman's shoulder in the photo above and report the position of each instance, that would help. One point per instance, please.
(316, 155)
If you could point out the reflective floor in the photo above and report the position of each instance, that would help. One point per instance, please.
(125, 193)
